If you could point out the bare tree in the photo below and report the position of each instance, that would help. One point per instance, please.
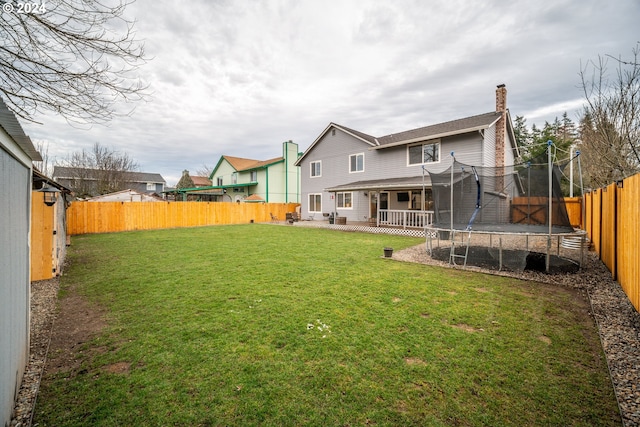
(101, 170)
(205, 170)
(75, 58)
(46, 165)
(610, 124)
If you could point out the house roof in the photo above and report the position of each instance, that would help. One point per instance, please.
(254, 198)
(415, 182)
(439, 130)
(453, 127)
(10, 124)
(368, 139)
(200, 181)
(125, 195)
(62, 172)
(241, 164)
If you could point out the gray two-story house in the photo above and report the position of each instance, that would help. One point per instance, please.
(351, 174)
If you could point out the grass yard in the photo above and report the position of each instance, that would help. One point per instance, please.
(274, 326)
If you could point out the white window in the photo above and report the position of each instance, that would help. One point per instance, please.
(344, 200)
(151, 186)
(356, 163)
(234, 178)
(316, 169)
(254, 176)
(424, 153)
(315, 202)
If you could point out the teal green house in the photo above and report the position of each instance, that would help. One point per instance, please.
(237, 179)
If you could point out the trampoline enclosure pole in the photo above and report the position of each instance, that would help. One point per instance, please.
(549, 218)
(453, 161)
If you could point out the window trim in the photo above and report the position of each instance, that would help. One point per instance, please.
(311, 169)
(355, 155)
(343, 193)
(151, 186)
(253, 176)
(437, 142)
(219, 181)
(315, 202)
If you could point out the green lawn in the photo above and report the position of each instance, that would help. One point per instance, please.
(274, 326)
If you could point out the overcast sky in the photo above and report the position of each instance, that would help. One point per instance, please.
(238, 78)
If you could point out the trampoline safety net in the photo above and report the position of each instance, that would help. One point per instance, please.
(511, 198)
(508, 205)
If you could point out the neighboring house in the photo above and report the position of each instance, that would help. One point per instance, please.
(193, 189)
(17, 154)
(236, 179)
(92, 182)
(350, 174)
(201, 181)
(126, 196)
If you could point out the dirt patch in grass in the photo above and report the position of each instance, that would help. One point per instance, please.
(76, 324)
(466, 328)
(414, 361)
(118, 368)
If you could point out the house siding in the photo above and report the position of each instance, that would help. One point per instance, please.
(15, 196)
(489, 157)
(333, 150)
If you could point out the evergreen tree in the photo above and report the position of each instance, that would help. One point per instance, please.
(533, 143)
(185, 181)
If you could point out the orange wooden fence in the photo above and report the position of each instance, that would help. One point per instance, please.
(534, 210)
(106, 217)
(574, 210)
(42, 220)
(612, 222)
(48, 238)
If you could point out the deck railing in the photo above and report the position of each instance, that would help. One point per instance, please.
(404, 218)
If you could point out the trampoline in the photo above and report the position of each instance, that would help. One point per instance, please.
(504, 217)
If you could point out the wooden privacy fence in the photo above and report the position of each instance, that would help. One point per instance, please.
(106, 217)
(612, 222)
(48, 237)
(534, 210)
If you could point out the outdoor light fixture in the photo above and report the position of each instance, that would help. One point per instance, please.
(50, 195)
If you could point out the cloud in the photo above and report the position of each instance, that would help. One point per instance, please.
(241, 77)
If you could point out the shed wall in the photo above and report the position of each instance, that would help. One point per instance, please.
(14, 276)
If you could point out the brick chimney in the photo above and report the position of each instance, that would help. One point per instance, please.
(501, 126)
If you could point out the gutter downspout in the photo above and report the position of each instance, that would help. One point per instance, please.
(286, 172)
(266, 171)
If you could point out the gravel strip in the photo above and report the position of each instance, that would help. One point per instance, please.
(44, 295)
(618, 323)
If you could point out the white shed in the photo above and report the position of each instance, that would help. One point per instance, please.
(16, 156)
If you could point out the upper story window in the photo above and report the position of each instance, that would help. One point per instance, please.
(254, 176)
(316, 169)
(151, 186)
(424, 153)
(234, 178)
(219, 181)
(356, 163)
